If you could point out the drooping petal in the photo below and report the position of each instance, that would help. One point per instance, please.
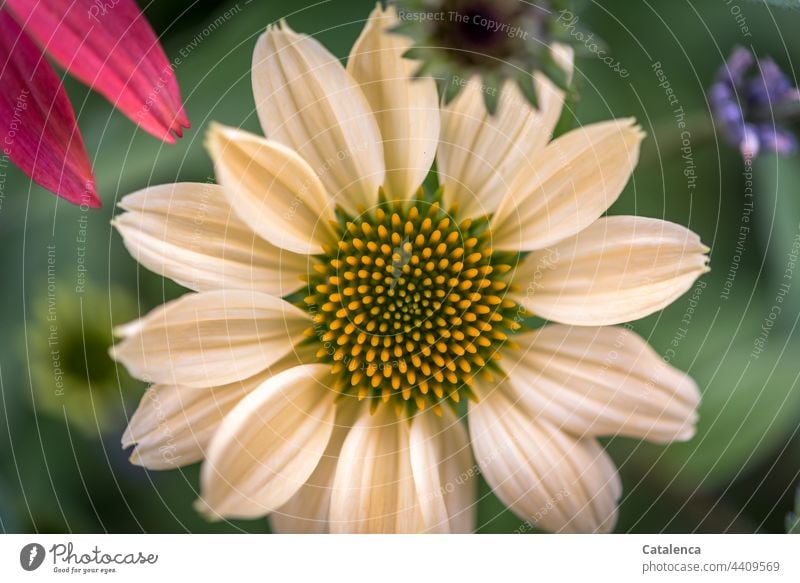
(309, 509)
(210, 338)
(617, 270)
(575, 180)
(547, 477)
(480, 154)
(272, 189)
(407, 109)
(601, 381)
(306, 100)
(189, 233)
(268, 445)
(374, 490)
(41, 135)
(441, 460)
(173, 425)
(112, 48)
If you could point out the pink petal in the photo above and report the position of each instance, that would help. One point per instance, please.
(110, 46)
(37, 124)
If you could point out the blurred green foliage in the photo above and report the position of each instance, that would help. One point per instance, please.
(738, 474)
(793, 518)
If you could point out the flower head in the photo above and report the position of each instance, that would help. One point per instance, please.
(751, 100)
(343, 314)
(496, 40)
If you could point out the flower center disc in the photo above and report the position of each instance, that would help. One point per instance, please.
(410, 305)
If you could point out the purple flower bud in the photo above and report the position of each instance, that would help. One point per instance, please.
(751, 99)
(778, 82)
(738, 64)
(777, 139)
(750, 144)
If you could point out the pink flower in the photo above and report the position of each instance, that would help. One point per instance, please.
(107, 44)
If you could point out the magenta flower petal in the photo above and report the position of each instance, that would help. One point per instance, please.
(37, 123)
(111, 47)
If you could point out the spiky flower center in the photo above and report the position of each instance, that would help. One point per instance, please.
(410, 305)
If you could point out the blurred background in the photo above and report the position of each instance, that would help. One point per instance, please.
(67, 279)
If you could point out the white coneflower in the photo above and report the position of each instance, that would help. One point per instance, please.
(342, 313)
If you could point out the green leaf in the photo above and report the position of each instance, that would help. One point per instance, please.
(449, 88)
(555, 73)
(404, 27)
(418, 53)
(492, 86)
(528, 89)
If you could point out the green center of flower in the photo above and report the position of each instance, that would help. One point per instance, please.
(410, 305)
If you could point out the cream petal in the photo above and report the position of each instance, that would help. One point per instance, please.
(268, 445)
(601, 381)
(173, 425)
(189, 233)
(308, 510)
(549, 478)
(306, 100)
(444, 474)
(211, 338)
(272, 189)
(618, 269)
(480, 154)
(373, 490)
(575, 180)
(406, 109)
